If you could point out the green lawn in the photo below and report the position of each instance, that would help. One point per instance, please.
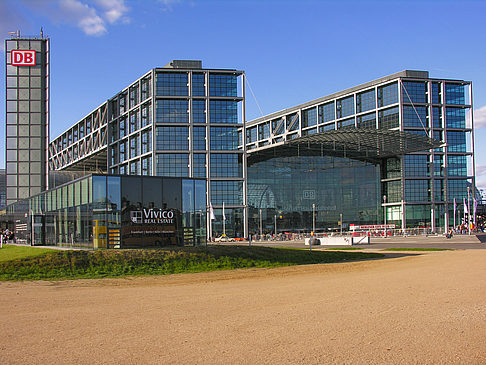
(9, 252)
(116, 263)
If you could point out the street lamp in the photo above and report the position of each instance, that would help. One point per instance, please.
(314, 218)
(384, 210)
(260, 223)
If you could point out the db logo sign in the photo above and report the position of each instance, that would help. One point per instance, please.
(23, 57)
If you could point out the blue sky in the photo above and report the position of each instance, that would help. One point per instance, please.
(292, 51)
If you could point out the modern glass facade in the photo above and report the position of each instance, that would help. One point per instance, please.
(282, 191)
(99, 211)
(183, 123)
(176, 121)
(417, 189)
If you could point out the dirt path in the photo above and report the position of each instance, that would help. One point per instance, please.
(427, 308)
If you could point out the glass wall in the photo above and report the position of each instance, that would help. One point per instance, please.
(100, 211)
(283, 190)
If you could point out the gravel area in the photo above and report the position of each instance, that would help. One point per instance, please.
(427, 308)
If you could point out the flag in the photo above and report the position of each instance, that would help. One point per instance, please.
(465, 206)
(455, 206)
(211, 212)
(474, 209)
(224, 217)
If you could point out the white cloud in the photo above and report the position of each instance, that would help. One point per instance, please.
(83, 16)
(114, 10)
(480, 117)
(93, 17)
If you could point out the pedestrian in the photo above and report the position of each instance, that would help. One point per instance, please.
(249, 239)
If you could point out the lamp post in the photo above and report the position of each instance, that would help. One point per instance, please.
(314, 218)
(384, 210)
(275, 225)
(341, 217)
(468, 212)
(260, 223)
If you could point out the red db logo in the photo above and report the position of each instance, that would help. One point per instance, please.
(22, 57)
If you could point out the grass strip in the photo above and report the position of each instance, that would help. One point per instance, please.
(417, 249)
(118, 263)
(10, 252)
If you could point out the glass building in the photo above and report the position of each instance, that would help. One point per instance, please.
(320, 153)
(100, 211)
(399, 148)
(176, 121)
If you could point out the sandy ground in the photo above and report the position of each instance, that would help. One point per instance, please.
(418, 309)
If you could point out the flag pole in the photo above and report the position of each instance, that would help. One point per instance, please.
(224, 222)
(455, 208)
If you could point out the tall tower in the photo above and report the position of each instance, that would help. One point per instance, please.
(27, 115)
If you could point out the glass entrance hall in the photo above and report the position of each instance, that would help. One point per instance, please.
(110, 211)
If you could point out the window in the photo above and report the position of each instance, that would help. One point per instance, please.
(365, 101)
(388, 118)
(345, 124)
(415, 117)
(345, 107)
(172, 111)
(457, 166)
(134, 146)
(199, 165)
(414, 92)
(292, 122)
(175, 164)
(122, 127)
(147, 165)
(134, 121)
(438, 166)
(456, 142)
(199, 111)
(309, 118)
(199, 138)
(438, 190)
(222, 85)
(456, 189)
(278, 126)
(417, 190)
(226, 165)
(145, 89)
(227, 192)
(326, 112)
(171, 84)
(172, 138)
(454, 94)
(437, 117)
(198, 88)
(264, 130)
(416, 165)
(455, 118)
(223, 111)
(146, 113)
(224, 138)
(133, 96)
(367, 121)
(436, 93)
(251, 135)
(387, 95)
(146, 141)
